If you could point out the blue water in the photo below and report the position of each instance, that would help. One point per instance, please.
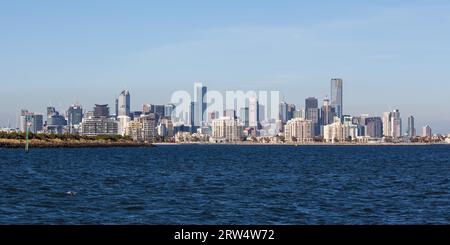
(227, 185)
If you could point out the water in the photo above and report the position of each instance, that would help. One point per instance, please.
(227, 185)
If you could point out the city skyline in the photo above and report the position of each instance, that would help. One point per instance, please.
(392, 54)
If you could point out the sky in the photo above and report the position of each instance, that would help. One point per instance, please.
(391, 54)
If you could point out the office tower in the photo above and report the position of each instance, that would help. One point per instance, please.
(116, 107)
(411, 127)
(167, 127)
(192, 116)
(299, 130)
(101, 110)
(226, 129)
(312, 113)
(374, 127)
(387, 132)
(262, 113)
(396, 124)
(337, 96)
(169, 111)
(283, 112)
(253, 111)
(35, 122)
(124, 101)
(327, 113)
(230, 113)
(427, 132)
(159, 110)
(290, 112)
(74, 115)
(244, 116)
(200, 104)
(55, 122)
(50, 111)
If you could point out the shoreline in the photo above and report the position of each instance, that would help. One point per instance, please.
(301, 144)
(17, 144)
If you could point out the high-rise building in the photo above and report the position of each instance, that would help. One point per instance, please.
(74, 115)
(337, 96)
(299, 130)
(227, 129)
(99, 126)
(124, 105)
(283, 112)
(411, 127)
(387, 132)
(374, 127)
(149, 124)
(290, 112)
(169, 111)
(396, 124)
(312, 113)
(253, 117)
(327, 113)
(123, 124)
(35, 122)
(101, 110)
(427, 132)
(50, 111)
(200, 104)
(244, 116)
(339, 132)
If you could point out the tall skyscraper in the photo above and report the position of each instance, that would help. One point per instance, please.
(283, 112)
(124, 103)
(169, 111)
(253, 117)
(312, 113)
(374, 127)
(396, 124)
(74, 115)
(387, 132)
(337, 96)
(290, 112)
(200, 104)
(327, 113)
(244, 116)
(411, 128)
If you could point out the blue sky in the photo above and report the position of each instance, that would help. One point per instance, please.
(391, 54)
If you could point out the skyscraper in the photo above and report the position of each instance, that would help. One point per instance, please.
(337, 96)
(283, 113)
(291, 111)
(387, 132)
(124, 103)
(411, 128)
(374, 127)
(327, 113)
(74, 115)
(396, 124)
(253, 117)
(244, 116)
(200, 104)
(312, 113)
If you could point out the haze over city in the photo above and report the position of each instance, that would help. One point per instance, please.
(391, 54)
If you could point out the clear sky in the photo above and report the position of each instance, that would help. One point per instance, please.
(390, 53)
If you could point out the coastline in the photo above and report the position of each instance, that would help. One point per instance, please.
(302, 144)
(12, 143)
